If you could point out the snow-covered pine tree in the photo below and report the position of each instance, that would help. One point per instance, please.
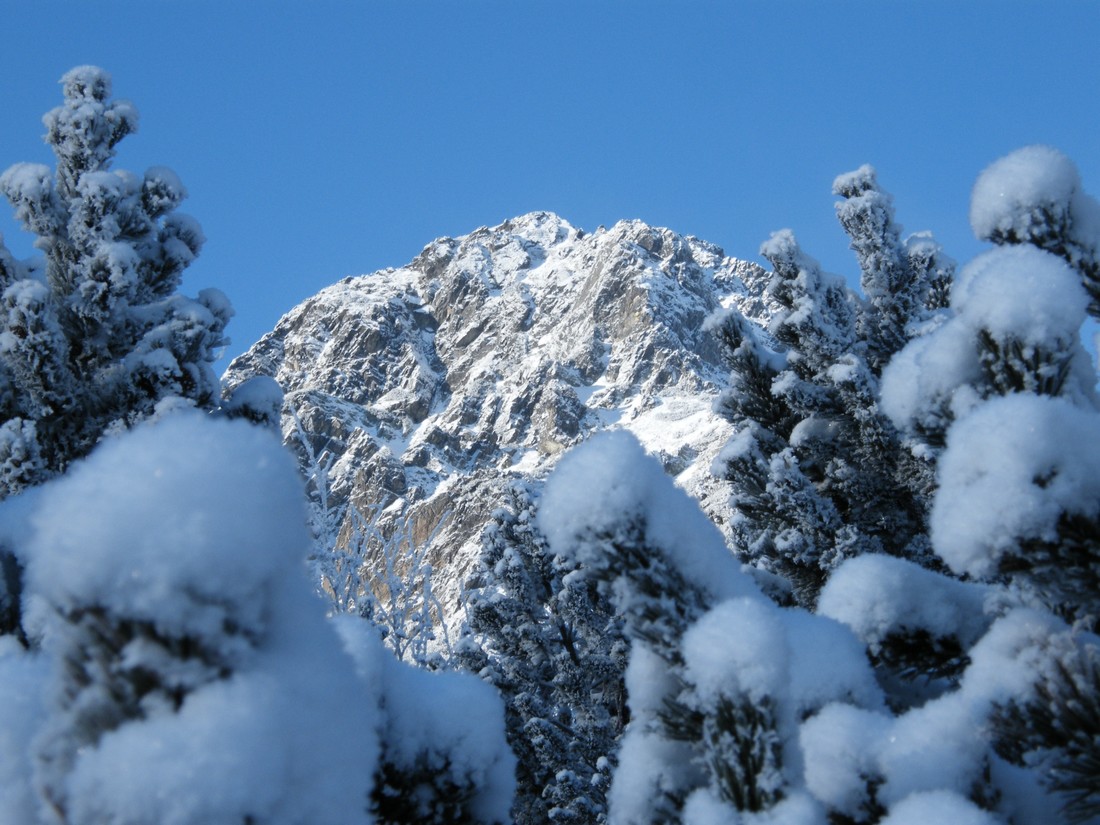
(817, 471)
(719, 677)
(1005, 385)
(166, 694)
(1008, 357)
(95, 338)
(539, 632)
(905, 283)
(100, 337)
(172, 694)
(741, 711)
(783, 521)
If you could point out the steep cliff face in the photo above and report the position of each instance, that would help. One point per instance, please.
(424, 390)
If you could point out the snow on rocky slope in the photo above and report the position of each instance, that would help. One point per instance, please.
(426, 389)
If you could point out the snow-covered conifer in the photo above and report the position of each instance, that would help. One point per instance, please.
(1002, 390)
(174, 694)
(539, 632)
(816, 472)
(100, 340)
(171, 694)
(719, 677)
(771, 496)
(1012, 327)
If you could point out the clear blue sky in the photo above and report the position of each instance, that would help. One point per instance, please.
(320, 139)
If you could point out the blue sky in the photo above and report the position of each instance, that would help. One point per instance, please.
(321, 139)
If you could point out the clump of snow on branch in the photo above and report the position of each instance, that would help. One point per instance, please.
(610, 482)
(930, 382)
(1021, 195)
(1020, 291)
(827, 664)
(22, 713)
(1011, 470)
(754, 660)
(877, 596)
(1011, 302)
(447, 724)
(932, 748)
(938, 806)
(259, 400)
(139, 528)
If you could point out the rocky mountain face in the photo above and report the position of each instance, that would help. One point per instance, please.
(416, 395)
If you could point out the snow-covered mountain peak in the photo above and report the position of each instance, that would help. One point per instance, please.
(434, 384)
